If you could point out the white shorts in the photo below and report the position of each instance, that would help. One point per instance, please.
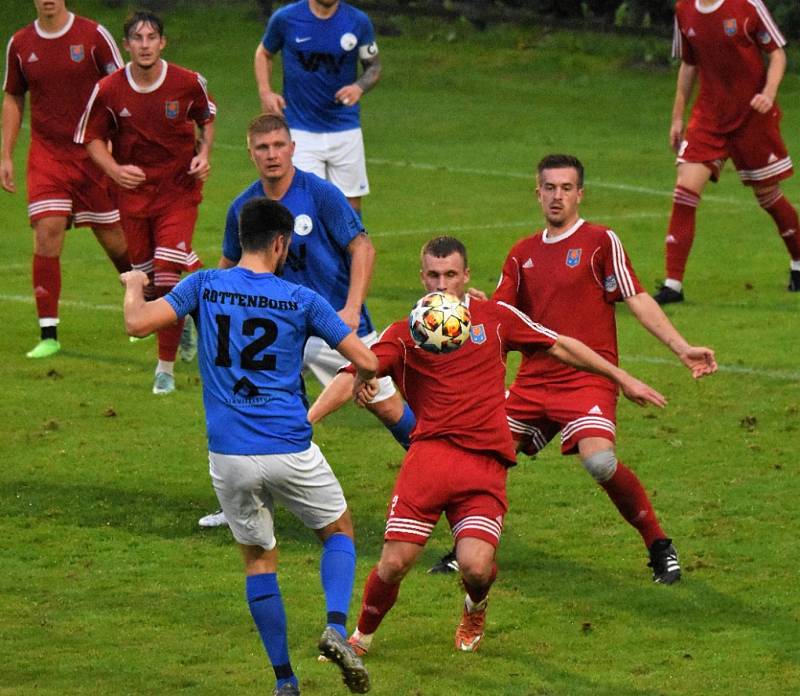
(324, 362)
(247, 487)
(337, 157)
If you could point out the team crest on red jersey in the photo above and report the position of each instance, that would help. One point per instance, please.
(76, 53)
(477, 333)
(171, 108)
(730, 26)
(573, 257)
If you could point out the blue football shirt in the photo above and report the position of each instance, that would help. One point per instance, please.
(324, 225)
(320, 56)
(252, 329)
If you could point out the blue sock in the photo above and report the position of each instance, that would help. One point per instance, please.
(402, 429)
(337, 570)
(266, 608)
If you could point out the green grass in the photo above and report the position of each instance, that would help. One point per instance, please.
(107, 585)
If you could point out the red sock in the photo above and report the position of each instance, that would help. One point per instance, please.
(379, 598)
(627, 493)
(169, 337)
(478, 594)
(46, 285)
(680, 234)
(785, 216)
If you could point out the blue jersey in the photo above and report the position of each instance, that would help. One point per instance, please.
(324, 224)
(320, 56)
(252, 329)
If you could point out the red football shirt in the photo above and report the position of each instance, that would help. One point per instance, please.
(725, 41)
(153, 128)
(59, 70)
(460, 396)
(569, 284)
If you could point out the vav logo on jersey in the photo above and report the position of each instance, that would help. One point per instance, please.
(313, 61)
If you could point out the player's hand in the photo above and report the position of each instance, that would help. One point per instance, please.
(272, 103)
(200, 168)
(128, 176)
(676, 134)
(351, 317)
(641, 393)
(349, 95)
(700, 360)
(133, 278)
(364, 391)
(477, 294)
(7, 175)
(762, 103)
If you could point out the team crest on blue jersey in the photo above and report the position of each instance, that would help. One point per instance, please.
(348, 41)
(730, 26)
(610, 283)
(77, 53)
(171, 108)
(303, 225)
(477, 333)
(573, 257)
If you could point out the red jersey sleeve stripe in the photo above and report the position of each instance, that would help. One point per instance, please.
(530, 322)
(624, 279)
(80, 131)
(677, 40)
(212, 107)
(768, 22)
(112, 45)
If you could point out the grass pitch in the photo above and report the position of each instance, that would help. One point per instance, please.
(109, 587)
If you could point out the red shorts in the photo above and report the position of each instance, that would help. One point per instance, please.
(161, 244)
(73, 188)
(438, 476)
(584, 407)
(756, 148)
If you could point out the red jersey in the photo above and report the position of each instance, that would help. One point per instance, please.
(59, 70)
(460, 396)
(725, 42)
(153, 128)
(569, 284)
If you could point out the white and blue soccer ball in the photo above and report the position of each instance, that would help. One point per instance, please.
(439, 323)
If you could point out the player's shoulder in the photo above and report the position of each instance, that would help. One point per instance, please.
(22, 36)
(290, 11)
(593, 230)
(348, 9)
(177, 72)
(525, 243)
(254, 190)
(316, 186)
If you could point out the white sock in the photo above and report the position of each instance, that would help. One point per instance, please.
(795, 265)
(167, 366)
(472, 606)
(672, 284)
(364, 638)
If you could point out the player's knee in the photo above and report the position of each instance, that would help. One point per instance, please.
(768, 196)
(392, 568)
(601, 465)
(475, 572)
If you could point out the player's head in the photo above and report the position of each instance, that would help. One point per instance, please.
(444, 267)
(559, 188)
(266, 226)
(49, 8)
(144, 38)
(270, 145)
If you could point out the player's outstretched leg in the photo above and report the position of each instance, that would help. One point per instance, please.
(664, 562)
(48, 236)
(336, 648)
(772, 200)
(478, 573)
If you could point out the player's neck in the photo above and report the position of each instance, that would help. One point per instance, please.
(321, 11)
(258, 262)
(275, 189)
(145, 77)
(54, 23)
(554, 231)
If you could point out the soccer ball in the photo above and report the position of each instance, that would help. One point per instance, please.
(439, 323)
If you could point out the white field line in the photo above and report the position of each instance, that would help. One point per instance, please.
(781, 375)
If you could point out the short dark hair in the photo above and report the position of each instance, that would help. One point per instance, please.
(142, 17)
(266, 123)
(441, 247)
(261, 221)
(561, 162)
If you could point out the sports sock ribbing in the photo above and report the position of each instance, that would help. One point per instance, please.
(379, 598)
(627, 493)
(266, 608)
(680, 234)
(337, 570)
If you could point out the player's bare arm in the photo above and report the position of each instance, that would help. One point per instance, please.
(142, 317)
(13, 108)
(335, 395)
(350, 94)
(200, 166)
(577, 354)
(776, 68)
(687, 77)
(699, 359)
(271, 102)
(362, 261)
(128, 176)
